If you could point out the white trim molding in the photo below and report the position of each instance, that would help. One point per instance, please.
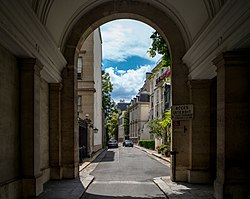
(229, 30)
(24, 35)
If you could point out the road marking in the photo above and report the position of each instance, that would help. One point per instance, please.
(123, 182)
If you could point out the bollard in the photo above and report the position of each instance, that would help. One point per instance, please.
(173, 153)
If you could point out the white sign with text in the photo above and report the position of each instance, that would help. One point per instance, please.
(182, 112)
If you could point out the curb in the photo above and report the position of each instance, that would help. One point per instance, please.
(88, 179)
(86, 182)
(162, 185)
(154, 154)
(90, 160)
(161, 157)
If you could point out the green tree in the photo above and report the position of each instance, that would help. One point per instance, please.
(156, 127)
(109, 108)
(159, 46)
(108, 104)
(166, 124)
(166, 120)
(160, 127)
(126, 122)
(112, 125)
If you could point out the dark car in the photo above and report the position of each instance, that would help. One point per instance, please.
(112, 144)
(128, 143)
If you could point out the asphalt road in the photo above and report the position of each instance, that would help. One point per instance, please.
(126, 173)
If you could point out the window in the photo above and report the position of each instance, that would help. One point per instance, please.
(157, 96)
(152, 101)
(79, 104)
(79, 67)
(167, 97)
(156, 79)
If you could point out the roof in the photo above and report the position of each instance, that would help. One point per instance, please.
(122, 106)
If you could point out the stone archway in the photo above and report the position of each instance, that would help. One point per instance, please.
(110, 10)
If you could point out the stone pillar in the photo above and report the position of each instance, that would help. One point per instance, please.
(180, 132)
(199, 137)
(233, 135)
(70, 146)
(30, 126)
(55, 130)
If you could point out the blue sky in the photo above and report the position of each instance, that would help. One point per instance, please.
(125, 58)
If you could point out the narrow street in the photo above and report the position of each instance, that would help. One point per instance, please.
(126, 173)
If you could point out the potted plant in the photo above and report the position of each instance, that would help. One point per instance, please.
(162, 148)
(167, 151)
(158, 149)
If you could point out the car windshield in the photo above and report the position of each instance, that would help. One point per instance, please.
(112, 141)
(128, 141)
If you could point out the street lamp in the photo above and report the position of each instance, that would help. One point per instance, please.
(87, 118)
(95, 130)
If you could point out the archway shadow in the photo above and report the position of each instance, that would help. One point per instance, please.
(109, 157)
(63, 189)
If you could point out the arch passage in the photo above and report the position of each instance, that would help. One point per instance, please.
(138, 10)
(143, 11)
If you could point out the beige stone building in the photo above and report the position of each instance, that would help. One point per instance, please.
(159, 92)
(123, 107)
(209, 46)
(159, 97)
(139, 112)
(121, 133)
(89, 71)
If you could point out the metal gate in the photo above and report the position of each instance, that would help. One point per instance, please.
(83, 131)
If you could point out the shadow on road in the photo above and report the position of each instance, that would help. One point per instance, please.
(63, 189)
(109, 157)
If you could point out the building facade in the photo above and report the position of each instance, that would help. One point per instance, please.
(159, 92)
(121, 132)
(159, 96)
(123, 107)
(89, 70)
(139, 112)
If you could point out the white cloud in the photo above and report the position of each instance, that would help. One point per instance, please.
(121, 71)
(121, 40)
(124, 38)
(126, 85)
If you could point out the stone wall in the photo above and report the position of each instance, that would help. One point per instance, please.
(98, 87)
(44, 125)
(9, 122)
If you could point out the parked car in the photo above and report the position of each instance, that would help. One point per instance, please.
(128, 143)
(112, 144)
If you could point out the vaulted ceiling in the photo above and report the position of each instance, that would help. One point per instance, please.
(59, 15)
(41, 28)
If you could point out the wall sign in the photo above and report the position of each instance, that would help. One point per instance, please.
(182, 112)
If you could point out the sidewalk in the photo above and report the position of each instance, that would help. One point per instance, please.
(73, 188)
(179, 190)
(153, 152)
